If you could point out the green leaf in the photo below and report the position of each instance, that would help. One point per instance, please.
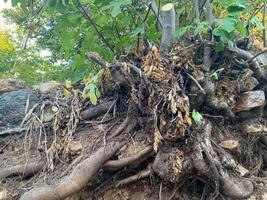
(256, 22)
(92, 94)
(115, 5)
(215, 75)
(181, 31)
(235, 8)
(197, 117)
(201, 28)
(241, 29)
(139, 30)
(219, 47)
(224, 35)
(227, 23)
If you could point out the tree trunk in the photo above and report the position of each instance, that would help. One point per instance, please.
(168, 31)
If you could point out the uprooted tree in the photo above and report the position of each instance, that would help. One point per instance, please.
(195, 109)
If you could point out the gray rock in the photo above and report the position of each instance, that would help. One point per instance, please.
(262, 59)
(249, 100)
(13, 105)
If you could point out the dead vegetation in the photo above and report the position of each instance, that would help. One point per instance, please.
(145, 130)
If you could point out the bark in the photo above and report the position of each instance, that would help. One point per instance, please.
(254, 65)
(113, 165)
(168, 31)
(79, 177)
(22, 170)
(98, 110)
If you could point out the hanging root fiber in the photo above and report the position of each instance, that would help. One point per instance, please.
(191, 118)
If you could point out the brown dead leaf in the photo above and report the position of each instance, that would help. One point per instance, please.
(229, 144)
(157, 140)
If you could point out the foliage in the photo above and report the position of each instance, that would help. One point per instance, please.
(19, 63)
(197, 117)
(70, 29)
(229, 23)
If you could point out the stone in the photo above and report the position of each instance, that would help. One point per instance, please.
(249, 100)
(47, 86)
(229, 144)
(262, 58)
(247, 82)
(13, 106)
(3, 193)
(75, 147)
(9, 85)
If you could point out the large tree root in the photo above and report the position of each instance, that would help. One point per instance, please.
(142, 174)
(255, 67)
(98, 110)
(173, 165)
(79, 177)
(22, 170)
(113, 165)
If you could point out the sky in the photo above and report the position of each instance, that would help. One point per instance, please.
(3, 4)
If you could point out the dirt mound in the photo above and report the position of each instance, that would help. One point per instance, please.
(190, 124)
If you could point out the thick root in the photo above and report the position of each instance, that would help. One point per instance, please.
(96, 111)
(113, 165)
(79, 177)
(22, 170)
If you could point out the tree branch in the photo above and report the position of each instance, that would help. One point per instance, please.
(88, 17)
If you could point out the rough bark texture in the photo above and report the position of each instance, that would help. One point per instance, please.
(79, 177)
(168, 31)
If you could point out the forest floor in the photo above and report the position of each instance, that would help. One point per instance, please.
(171, 126)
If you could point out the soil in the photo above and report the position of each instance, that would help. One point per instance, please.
(221, 156)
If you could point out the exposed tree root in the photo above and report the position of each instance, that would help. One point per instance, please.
(96, 111)
(156, 93)
(255, 67)
(79, 177)
(22, 170)
(113, 165)
(140, 175)
(12, 131)
(174, 165)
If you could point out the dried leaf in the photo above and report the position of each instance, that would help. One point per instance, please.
(157, 140)
(229, 144)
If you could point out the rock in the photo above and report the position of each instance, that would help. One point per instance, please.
(229, 144)
(13, 105)
(48, 86)
(249, 100)
(9, 85)
(3, 193)
(75, 147)
(247, 82)
(262, 58)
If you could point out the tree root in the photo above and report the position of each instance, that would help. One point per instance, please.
(96, 111)
(255, 67)
(12, 131)
(23, 170)
(142, 174)
(173, 165)
(113, 165)
(79, 177)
